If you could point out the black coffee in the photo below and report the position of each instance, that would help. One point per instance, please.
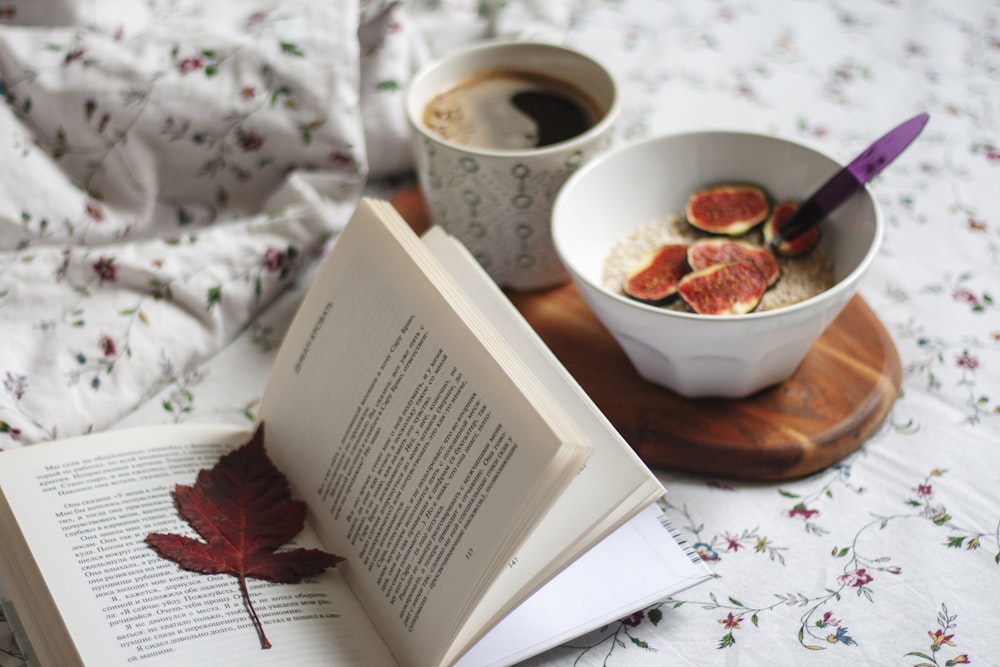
(511, 109)
(557, 118)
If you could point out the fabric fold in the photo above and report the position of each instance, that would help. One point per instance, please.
(168, 168)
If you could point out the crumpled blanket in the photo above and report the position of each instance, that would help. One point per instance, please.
(167, 168)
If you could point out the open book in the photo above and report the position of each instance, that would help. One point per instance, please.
(480, 499)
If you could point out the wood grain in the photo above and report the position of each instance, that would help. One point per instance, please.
(838, 397)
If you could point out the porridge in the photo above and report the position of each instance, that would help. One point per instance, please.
(801, 277)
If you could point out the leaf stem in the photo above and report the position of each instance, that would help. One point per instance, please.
(264, 643)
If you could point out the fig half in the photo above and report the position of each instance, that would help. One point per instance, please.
(706, 252)
(654, 280)
(727, 209)
(723, 289)
(798, 245)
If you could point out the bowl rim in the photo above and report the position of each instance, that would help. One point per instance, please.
(845, 283)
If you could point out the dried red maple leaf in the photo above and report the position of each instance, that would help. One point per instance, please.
(243, 508)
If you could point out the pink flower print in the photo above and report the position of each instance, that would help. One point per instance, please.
(94, 211)
(11, 432)
(249, 141)
(725, 14)
(802, 511)
(855, 579)
(965, 360)
(964, 295)
(732, 543)
(992, 153)
(105, 269)
(248, 92)
(189, 65)
(15, 385)
(976, 225)
(274, 259)
(730, 622)
(634, 620)
(962, 659)
(828, 621)
(256, 18)
(939, 639)
(72, 57)
(925, 491)
(746, 91)
(107, 344)
(340, 157)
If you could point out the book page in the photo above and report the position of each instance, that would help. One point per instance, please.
(612, 487)
(595, 590)
(84, 507)
(426, 449)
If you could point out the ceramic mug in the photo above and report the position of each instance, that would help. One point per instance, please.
(498, 202)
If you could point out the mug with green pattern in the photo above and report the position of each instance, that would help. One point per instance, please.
(497, 201)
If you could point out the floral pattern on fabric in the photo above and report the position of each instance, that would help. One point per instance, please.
(163, 183)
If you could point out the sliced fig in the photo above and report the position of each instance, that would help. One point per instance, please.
(727, 209)
(798, 245)
(706, 252)
(654, 280)
(723, 289)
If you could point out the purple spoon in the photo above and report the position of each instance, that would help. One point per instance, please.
(849, 180)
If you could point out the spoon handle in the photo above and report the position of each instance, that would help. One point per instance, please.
(850, 179)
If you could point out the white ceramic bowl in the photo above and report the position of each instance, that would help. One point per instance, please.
(703, 355)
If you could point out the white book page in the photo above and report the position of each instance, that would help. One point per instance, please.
(85, 506)
(613, 486)
(637, 565)
(419, 452)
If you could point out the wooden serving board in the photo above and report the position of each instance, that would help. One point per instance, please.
(837, 398)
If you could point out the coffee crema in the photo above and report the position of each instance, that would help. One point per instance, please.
(510, 109)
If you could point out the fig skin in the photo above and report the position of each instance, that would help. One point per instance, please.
(723, 289)
(705, 252)
(730, 209)
(793, 247)
(654, 280)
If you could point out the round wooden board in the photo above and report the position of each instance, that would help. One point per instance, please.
(837, 398)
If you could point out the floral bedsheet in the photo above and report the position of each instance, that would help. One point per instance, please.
(172, 172)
